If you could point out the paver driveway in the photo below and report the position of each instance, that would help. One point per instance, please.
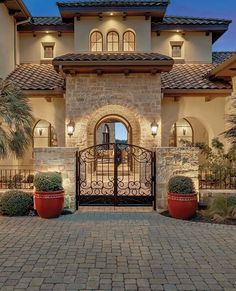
(116, 251)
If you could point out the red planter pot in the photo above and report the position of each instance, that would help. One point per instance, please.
(182, 206)
(49, 204)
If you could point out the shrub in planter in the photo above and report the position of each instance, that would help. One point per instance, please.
(49, 194)
(182, 197)
(16, 203)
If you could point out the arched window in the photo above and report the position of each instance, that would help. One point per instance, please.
(112, 41)
(44, 135)
(181, 134)
(129, 41)
(96, 41)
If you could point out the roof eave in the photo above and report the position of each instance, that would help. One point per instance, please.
(219, 70)
(94, 67)
(196, 92)
(39, 28)
(155, 11)
(17, 9)
(217, 29)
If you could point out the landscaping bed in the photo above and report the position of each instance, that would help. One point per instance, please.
(200, 218)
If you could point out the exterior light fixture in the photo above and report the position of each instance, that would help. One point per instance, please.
(154, 128)
(47, 31)
(184, 131)
(40, 131)
(70, 128)
(177, 30)
(111, 13)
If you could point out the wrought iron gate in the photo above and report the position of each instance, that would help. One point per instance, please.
(115, 174)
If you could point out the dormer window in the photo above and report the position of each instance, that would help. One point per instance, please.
(129, 41)
(112, 41)
(96, 41)
(176, 49)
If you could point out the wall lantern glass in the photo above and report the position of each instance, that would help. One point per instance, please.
(154, 128)
(70, 128)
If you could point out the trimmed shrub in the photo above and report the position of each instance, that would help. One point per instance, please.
(48, 182)
(16, 203)
(181, 185)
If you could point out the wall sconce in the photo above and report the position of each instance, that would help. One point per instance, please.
(40, 131)
(70, 128)
(184, 131)
(154, 128)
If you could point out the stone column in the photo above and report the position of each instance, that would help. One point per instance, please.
(59, 160)
(171, 162)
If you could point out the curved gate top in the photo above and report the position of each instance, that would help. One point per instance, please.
(115, 174)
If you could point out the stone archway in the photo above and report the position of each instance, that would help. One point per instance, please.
(125, 115)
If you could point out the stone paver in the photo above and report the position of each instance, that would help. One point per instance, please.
(116, 250)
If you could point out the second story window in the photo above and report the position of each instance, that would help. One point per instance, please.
(176, 49)
(96, 42)
(112, 41)
(129, 41)
(48, 50)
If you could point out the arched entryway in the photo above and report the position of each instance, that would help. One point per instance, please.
(113, 129)
(187, 131)
(44, 135)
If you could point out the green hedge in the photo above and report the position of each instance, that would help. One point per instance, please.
(48, 182)
(181, 185)
(16, 203)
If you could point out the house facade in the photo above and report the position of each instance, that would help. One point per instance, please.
(103, 63)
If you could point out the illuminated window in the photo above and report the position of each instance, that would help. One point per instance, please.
(96, 42)
(129, 41)
(112, 41)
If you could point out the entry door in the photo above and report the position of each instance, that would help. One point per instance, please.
(115, 174)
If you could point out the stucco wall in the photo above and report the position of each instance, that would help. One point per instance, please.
(197, 46)
(54, 113)
(172, 162)
(136, 97)
(86, 25)
(207, 118)
(7, 26)
(31, 48)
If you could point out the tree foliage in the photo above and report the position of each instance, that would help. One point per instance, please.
(16, 121)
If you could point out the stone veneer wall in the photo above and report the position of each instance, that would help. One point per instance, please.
(172, 162)
(59, 160)
(136, 98)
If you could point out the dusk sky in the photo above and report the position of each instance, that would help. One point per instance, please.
(201, 8)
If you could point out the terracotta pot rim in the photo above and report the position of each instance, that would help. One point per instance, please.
(50, 192)
(177, 194)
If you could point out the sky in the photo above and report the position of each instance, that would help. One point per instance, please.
(200, 8)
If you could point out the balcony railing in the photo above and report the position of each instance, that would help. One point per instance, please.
(16, 178)
(222, 178)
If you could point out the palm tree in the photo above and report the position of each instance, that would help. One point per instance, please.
(230, 134)
(16, 121)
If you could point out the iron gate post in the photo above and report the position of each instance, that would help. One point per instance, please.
(77, 177)
(115, 174)
(154, 181)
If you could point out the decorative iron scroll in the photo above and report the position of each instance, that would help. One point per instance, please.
(115, 174)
